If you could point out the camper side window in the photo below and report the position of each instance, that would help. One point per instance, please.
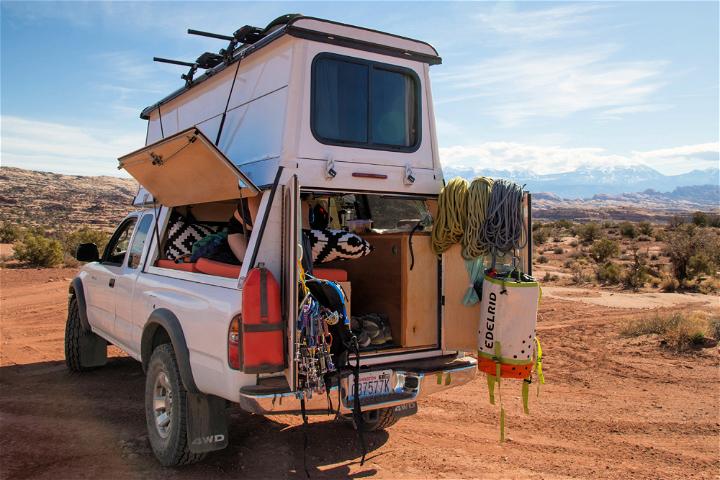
(364, 104)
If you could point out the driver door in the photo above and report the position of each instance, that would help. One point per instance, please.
(102, 276)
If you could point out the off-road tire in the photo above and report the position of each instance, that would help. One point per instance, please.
(376, 420)
(74, 332)
(173, 450)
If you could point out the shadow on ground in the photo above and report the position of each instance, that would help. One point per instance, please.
(56, 424)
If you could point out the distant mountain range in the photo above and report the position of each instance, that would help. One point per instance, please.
(58, 201)
(585, 182)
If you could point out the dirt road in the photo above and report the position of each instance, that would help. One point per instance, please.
(612, 408)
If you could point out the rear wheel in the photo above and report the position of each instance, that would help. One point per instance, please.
(166, 410)
(377, 420)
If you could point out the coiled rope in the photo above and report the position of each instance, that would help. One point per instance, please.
(478, 197)
(452, 215)
(504, 229)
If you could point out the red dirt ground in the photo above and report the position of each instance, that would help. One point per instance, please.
(612, 407)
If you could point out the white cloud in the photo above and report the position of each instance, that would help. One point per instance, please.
(535, 84)
(71, 149)
(683, 158)
(548, 159)
(537, 24)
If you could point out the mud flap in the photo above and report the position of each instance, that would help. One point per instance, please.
(206, 423)
(93, 350)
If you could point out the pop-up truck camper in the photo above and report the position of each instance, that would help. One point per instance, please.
(358, 289)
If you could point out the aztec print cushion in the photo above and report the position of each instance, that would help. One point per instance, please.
(182, 235)
(329, 245)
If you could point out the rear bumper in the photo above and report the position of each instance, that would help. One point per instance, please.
(410, 384)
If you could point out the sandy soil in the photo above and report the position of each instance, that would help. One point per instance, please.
(643, 300)
(612, 408)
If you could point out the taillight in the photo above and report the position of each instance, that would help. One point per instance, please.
(234, 343)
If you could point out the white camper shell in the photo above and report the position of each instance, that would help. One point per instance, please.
(311, 112)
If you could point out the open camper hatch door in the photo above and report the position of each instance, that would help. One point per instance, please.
(187, 169)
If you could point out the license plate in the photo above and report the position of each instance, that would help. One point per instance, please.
(371, 384)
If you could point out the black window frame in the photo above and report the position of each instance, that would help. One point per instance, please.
(114, 239)
(371, 64)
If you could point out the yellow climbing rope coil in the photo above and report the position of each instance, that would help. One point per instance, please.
(478, 195)
(449, 226)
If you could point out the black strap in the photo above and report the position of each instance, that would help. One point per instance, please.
(305, 436)
(357, 410)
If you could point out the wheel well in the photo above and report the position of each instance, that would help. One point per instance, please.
(160, 337)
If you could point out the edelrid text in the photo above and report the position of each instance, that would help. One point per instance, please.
(490, 320)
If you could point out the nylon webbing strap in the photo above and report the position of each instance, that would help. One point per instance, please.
(538, 366)
(499, 383)
(491, 388)
(525, 395)
(263, 295)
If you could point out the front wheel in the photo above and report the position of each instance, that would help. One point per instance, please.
(84, 350)
(166, 410)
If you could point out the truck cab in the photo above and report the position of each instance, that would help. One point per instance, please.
(318, 132)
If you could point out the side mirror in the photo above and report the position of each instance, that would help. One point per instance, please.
(87, 252)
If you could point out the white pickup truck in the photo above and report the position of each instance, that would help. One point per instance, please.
(304, 116)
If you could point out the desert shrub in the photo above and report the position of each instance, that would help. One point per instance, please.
(604, 249)
(708, 286)
(646, 228)
(714, 221)
(644, 238)
(627, 229)
(579, 276)
(692, 251)
(558, 250)
(676, 221)
(573, 243)
(609, 273)
(679, 332)
(566, 225)
(38, 250)
(590, 232)
(654, 256)
(9, 233)
(84, 235)
(636, 274)
(542, 259)
(701, 263)
(550, 278)
(700, 219)
(714, 328)
(540, 236)
(669, 284)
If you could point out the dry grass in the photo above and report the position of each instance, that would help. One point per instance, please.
(679, 331)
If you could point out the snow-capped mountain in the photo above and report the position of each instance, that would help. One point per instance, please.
(588, 181)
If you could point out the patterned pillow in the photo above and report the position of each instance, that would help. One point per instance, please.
(329, 245)
(182, 235)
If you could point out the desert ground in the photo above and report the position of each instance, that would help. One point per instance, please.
(612, 407)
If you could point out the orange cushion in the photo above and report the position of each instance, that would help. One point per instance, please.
(211, 267)
(185, 267)
(332, 274)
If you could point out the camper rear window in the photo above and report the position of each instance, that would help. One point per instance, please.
(364, 104)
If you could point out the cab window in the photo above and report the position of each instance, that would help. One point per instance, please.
(366, 104)
(138, 242)
(118, 245)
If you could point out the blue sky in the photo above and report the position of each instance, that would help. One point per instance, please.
(548, 87)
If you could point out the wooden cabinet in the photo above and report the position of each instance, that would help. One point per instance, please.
(382, 282)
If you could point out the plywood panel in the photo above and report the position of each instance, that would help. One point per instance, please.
(460, 322)
(376, 280)
(420, 293)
